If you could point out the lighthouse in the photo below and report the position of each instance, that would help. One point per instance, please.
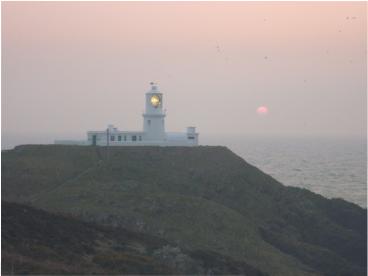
(153, 133)
(154, 115)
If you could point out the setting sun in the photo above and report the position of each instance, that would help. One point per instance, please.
(262, 110)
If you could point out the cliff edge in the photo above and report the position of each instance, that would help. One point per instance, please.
(200, 198)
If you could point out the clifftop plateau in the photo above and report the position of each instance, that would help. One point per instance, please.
(200, 199)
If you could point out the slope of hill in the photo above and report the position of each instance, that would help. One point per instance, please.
(37, 242)
(202, 198)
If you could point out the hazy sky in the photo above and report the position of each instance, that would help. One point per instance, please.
(72, 67)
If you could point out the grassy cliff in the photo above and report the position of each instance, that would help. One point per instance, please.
(37, 242)
(202, 198)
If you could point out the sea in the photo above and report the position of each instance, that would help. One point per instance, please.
(335, 167)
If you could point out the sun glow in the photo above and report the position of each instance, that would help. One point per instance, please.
(262, 110)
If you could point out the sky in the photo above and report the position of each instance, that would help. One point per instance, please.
(69, 67)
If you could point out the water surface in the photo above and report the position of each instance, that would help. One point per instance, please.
(332, 167)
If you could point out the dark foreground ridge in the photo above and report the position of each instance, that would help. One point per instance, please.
(202, 199)
(37, 242)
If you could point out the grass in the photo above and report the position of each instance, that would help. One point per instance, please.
(201, 198)
(38, 242)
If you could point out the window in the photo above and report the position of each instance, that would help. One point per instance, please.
(140, 138)
(94, 140)
(119, 138)
(112, 138)
(149, 122)
(190, 137)
(134, 138)
(125, 138)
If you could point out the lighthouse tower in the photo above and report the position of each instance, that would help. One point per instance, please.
(153, 133)
(154, 116)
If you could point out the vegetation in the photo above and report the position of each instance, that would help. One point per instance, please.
(37, 242)
(202, 199)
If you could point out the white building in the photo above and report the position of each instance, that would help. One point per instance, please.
(153, 133)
